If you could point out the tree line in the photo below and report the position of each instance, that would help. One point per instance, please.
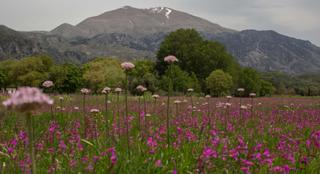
(203, 65)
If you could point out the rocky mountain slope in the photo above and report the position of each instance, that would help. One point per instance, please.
(131, 33)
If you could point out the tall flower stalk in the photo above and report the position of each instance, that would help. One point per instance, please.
(240, 91)
(26, 100)
(252, 95)
(155, 97)
(170, 60)
(127, 66)
(49, 85)
(190, 91)
(84, 92)
(117, 119)
(106, 92)
(141, 89)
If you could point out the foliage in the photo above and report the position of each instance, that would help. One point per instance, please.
(195, 54)
(143, 74)
(181, 80)
(250, 80)
(102, 72)
(67, 78)
(266, 88)
(6, 69)
(31, 71)
(219, 83)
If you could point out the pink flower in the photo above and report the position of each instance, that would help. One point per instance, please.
(141, 88)
(27, 99)
(127, 66)
(118, 90)
(85, 91)
(190, 90)
(240, 89)
(94, 110)
(208, 153)
(174, 171)
(170, 59)
(106, 90)
(155, 96)
(158, 163)
(47, 84)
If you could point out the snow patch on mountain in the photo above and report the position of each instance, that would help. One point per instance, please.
(161, 10)
(169, 11)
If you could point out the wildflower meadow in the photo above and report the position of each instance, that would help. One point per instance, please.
(116, 132)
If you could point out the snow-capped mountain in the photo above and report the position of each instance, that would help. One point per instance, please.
(138, 22)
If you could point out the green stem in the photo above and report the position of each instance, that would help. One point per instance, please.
(145, 114)
(168, 105)
(126, 118)
(31, 143)
(106, 116)
(139, 111)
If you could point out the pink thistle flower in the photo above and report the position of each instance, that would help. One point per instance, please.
(47, 84)
(141, 88)
(240, 89)
(252, 94)
(170, 59)
(155, 96)
(190, 90)
(85, 91)
(106, 90)
(27, 99)
(94, 111)
(118, 90)
(127, 66)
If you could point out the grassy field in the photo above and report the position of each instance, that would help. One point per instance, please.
(207, 135)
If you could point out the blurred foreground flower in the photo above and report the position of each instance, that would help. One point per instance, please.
(27, 99)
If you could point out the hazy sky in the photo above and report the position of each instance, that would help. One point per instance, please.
(297, 18)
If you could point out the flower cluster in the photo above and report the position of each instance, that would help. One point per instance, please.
(141, 88)
(47, 84)
(85, 91)
(106, 90)
(170, 59)
(27, 99)
(127, 66)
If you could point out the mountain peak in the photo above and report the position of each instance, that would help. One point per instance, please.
(138, 22)
(161, 10)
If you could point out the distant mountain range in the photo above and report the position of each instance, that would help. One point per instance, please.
(132, 33)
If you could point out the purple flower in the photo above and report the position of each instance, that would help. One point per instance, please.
(158, 163)
(62, 145)
(208, 153)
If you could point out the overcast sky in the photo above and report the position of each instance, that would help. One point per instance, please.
(296, 18)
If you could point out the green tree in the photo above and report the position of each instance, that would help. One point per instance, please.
(219, 83)
(8, 78)
(250, 80)
(266, 88)
(102, 72)
(181, 80)
(143, 74)
(195, 54)
(67, 78)
(32, 71)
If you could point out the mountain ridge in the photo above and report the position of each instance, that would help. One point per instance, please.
(133, 33)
